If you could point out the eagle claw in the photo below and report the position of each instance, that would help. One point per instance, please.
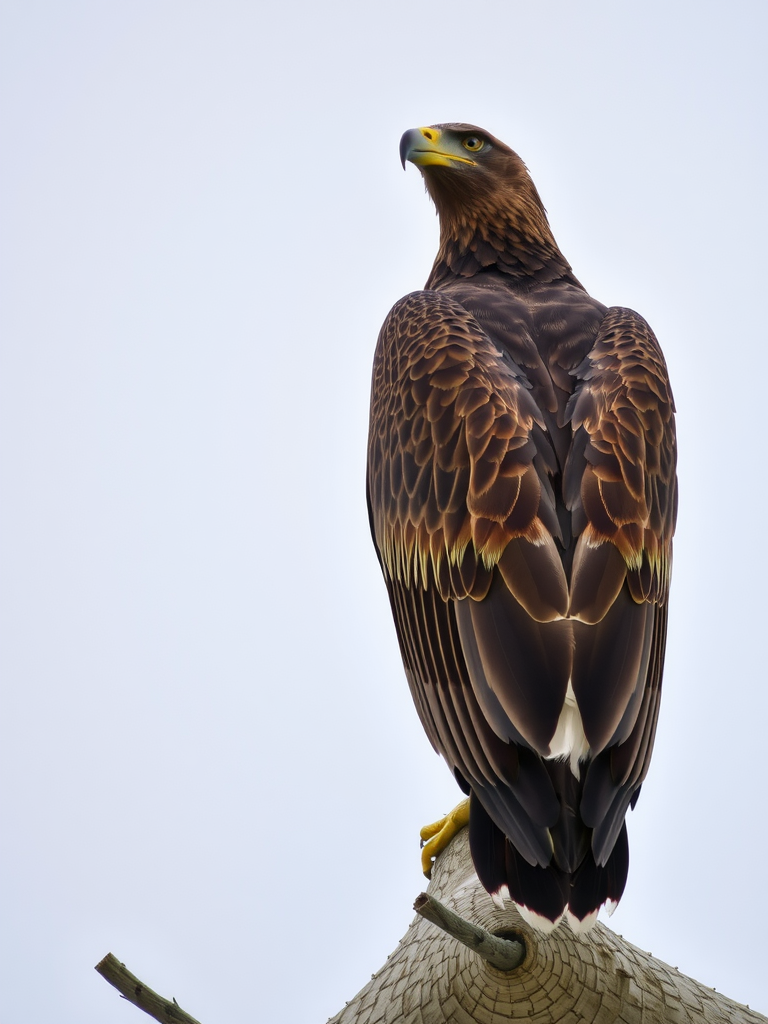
(435, 837)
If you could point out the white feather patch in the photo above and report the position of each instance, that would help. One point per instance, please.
(581, 927)
(537, 921)
(569, 741)
(500, 896)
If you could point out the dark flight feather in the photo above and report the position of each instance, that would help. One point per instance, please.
(522, 497)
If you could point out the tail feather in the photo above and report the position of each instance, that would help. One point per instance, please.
(544, 890)
(570, 839)
(593, 885)
(572, 883)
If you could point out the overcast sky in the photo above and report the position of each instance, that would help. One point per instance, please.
(209, 753)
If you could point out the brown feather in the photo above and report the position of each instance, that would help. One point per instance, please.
(522, 495)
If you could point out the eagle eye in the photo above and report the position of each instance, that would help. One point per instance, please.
(473, 143)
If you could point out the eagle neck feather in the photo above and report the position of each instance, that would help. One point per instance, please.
(504, 228)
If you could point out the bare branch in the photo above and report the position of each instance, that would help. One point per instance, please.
(136, 992)
(504, 954)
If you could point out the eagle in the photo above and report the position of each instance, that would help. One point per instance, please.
(522, 494)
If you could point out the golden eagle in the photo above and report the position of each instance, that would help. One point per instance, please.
(522, 497)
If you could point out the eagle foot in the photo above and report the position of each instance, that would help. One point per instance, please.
(435, 837)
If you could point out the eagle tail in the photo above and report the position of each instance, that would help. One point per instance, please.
(544, 894)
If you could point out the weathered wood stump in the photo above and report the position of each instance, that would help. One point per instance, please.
(597, 978)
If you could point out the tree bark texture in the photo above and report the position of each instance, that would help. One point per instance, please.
(565, 978)
(166, 1011)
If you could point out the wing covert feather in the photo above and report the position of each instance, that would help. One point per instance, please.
(453, 472)
(619, 480)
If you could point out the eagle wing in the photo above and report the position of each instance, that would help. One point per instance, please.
(620, 485)
(463, 515)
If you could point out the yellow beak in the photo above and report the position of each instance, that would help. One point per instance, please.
(428, 147)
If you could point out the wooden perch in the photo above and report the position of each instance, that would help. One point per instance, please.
(136, 992)
(435, 978)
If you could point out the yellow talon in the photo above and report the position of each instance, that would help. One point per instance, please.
(435, 837)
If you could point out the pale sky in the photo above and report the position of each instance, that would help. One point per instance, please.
(210, 760)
